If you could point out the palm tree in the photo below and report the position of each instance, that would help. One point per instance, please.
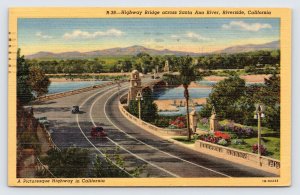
(187, 74)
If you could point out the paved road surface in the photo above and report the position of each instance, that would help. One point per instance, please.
(137, 146)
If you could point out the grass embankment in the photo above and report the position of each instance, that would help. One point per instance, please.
(185, 140)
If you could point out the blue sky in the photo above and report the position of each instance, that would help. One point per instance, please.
(189, 34)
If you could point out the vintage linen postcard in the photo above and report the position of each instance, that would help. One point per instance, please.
(149, 97)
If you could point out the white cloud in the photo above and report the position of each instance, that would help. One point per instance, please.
(87, 35)
(191, 36)
(42, 36)
(196, 37)
(241, 25)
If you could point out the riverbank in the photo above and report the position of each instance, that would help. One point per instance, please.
(248, 78)
(196, 85)
(87, 77)
(169, 105)
(62, 80)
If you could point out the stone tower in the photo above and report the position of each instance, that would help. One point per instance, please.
(213, 121)
(167, 67)
(135, 85)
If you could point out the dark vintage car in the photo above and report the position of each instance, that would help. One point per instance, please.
(98, 132)
(75, 109)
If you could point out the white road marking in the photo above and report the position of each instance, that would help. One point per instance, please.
(95, 95)
(92, 120)
(155, 147)
(89, 139)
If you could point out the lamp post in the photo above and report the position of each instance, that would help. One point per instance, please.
(259, 113)
(139, 98)
(119, 86)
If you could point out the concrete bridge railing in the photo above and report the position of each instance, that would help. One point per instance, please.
(72, 92)
(239, 156)
(147, 126)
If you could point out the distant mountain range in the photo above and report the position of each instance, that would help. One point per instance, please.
(134, 50)
(250, 47)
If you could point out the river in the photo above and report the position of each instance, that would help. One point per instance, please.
(58, 87)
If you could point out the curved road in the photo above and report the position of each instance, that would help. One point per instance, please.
(138, 147)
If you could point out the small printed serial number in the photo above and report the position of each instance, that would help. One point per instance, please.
(270, 180)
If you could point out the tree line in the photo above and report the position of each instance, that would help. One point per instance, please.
(239, 60)
(234, 100)
(146, 63)
(31, 80)
(142, 62)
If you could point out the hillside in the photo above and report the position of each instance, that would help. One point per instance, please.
(134, 50)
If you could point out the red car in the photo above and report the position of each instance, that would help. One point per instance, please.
(98, 132)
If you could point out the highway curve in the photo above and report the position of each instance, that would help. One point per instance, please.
(138, 147)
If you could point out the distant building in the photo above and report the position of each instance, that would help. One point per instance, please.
(167, 67)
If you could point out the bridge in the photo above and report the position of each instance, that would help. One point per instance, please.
(138, 147)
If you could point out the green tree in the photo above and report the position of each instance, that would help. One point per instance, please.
(24, 90)
(68, 163)
(171, 79)
(113, 166)
(224, 97)
(234, 100)
(148, 107)
(38, 81)
(269, 95)
(133, 108)
(187, 74)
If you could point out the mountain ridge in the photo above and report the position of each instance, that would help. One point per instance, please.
(135, 49)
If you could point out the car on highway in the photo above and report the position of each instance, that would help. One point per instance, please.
(98, 132)
(75, 109)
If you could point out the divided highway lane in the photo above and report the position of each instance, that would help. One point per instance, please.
(62, 121)
(177, 159)
(138, 147)
(132, 160)
(158, 161)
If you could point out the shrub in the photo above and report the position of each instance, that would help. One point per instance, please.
(263, 149)
(209, 138)
(162, 122)
(249, 132)
(221, 127)
(238, 142)
(229, 126)
(179, 122)
(222, 135)
(204, 121)
(222, 142)
(239, 131)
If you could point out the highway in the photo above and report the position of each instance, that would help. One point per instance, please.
(138, 147)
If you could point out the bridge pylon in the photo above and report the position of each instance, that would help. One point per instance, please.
(135, 85)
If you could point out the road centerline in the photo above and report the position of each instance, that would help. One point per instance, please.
(171, 155)
(137, 156)
(77, 120)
